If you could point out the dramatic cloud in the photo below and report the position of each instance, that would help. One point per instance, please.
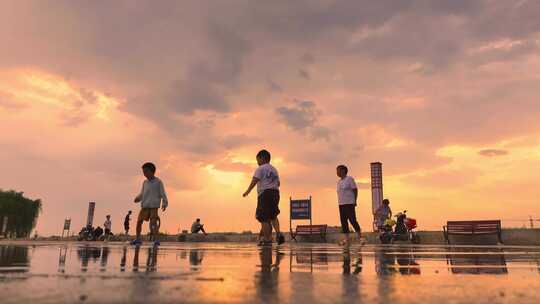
(303, 116)
(90, 90)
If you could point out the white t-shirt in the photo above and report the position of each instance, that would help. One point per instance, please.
(345, 191)
(107, 224)
(268, 178)
(153, 194)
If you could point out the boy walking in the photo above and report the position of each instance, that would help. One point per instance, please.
(152, 196)
(266, 178)
(347, 193)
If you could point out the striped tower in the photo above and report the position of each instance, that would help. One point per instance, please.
(376, 189)
(90, 218)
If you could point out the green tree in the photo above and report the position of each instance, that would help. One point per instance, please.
(22, 213)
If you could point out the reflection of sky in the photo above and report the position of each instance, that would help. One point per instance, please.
(244, 273)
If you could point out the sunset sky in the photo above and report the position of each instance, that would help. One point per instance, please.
(444, 93)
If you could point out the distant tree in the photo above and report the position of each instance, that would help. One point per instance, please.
(22, 213)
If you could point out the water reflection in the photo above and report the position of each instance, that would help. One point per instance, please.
(267, 278)
(352, 267)
(196, 257)
(396, 261)
(476, 261)
(307, 258)
(104, 259)
(151, 259)
(62, 259)
(13, 259)
(123, 259)
(348, 265)
(216, 273)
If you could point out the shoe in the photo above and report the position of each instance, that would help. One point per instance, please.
(136, 242)
(280, 239)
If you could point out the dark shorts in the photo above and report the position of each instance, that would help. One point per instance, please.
(126, 226)
(267, 206)
(147, 214)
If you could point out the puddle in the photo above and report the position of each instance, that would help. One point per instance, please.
(244, 273)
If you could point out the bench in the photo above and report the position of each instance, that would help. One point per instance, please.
(472, 228)
(310, 230)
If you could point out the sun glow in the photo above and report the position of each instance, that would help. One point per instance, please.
(35, 87)
(227, 178)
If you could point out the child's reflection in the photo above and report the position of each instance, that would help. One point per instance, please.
(195, 258)
(266, 281)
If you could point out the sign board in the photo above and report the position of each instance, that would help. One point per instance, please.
(67, 224)
(90, 218)
(300, 209)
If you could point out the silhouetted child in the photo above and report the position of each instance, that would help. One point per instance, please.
(108, 226)
(383, 213)
(266, 178)
(126, 222)
(152, 196)
(347, 194)
(197, 226)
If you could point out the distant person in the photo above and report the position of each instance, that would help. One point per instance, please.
(347, 193)
(266, 178)
(98, 232)
(152, 196)
(197, 226)
(127, 219)
(107, 225)
(383, 213)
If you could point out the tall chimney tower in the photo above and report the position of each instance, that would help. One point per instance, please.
(376, 189)
(90, 218)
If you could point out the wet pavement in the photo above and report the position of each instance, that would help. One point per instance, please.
(244, 273)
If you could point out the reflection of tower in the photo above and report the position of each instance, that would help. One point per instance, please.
(376, 188)
(90, 218)
(62, 259)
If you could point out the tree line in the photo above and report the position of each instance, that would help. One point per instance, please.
(21, 213)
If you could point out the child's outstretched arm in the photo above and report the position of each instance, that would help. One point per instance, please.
(254, 182)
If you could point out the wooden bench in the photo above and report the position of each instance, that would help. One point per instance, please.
(310, 230)
(472, 228)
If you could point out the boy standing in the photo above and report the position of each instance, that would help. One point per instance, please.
(347, 193)
(152, 196)
(107, 225)
(266, 178)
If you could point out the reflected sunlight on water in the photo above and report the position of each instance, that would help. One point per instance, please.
(116, 273)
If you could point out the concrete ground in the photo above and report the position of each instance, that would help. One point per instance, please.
(114, 272)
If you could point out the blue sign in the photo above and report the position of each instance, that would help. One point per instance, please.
(300, 209)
